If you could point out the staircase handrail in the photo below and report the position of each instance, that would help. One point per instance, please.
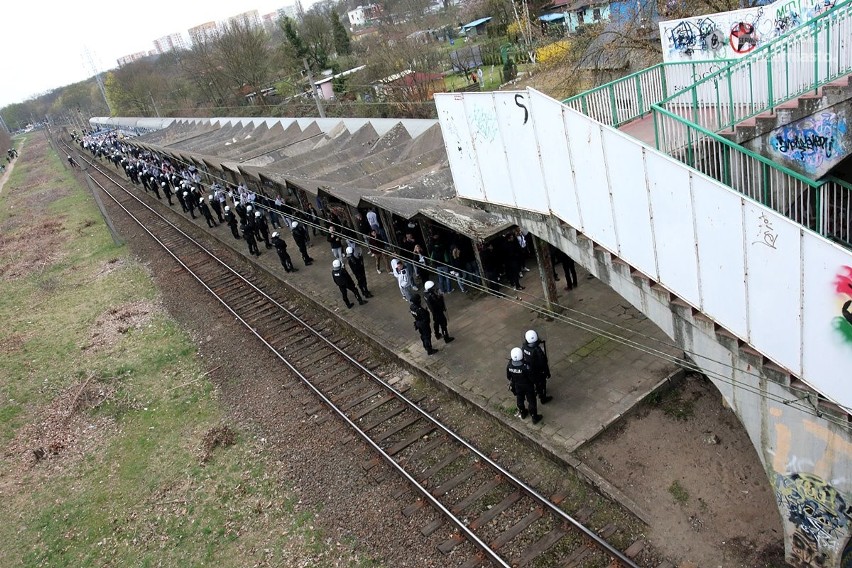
(692, 99)
(734, 147)
(645, 88)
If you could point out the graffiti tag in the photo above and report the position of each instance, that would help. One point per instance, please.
(743, 37)
(819, 512)
(518, 98)
(766, 234)
(485, 125)
(843, 287)
(811, 142)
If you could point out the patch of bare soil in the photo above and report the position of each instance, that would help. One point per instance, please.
(30, 249)
(119, 320)
(686, 459)
(63, 432)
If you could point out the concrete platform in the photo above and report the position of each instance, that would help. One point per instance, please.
(595, 380)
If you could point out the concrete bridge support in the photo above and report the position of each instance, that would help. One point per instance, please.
(804, 443)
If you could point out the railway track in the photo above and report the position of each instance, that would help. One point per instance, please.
(508, 522)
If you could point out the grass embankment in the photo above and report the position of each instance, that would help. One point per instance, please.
(114, 450)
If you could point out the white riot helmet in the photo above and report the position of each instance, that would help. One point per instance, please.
(349, 251)
(294, 224)
(162, 184)
(186, 194)
(531, 336)
(336, 264)
(275, 234)
(227, 208)
(248, 208)
(257, 213)
(429, 285)
(517, 355)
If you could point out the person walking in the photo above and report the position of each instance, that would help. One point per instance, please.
(520, 380)
(204, 209)
(356, 264)
(281, 248)
(262, 227)
(536, 357)
(336, 243)
(438, 307)
(248, 235)
(402, 279)
(421, 323)
(231, 219)
(378, 250)
(300, 236)
(345, 283)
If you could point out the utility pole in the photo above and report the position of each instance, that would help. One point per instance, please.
(313, 88)
(88, 58)
(156, 110)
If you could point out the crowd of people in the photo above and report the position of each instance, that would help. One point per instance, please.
(438, 268)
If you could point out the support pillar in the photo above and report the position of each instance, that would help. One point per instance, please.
(545, 273)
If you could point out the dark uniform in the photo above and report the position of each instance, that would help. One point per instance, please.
(262, 228)
(248, 235)
(536, 358)
(438, 307)
(231, 219)
(205, 210)
(283, 255)
(344, 282)
(300, 235)
(356, 263)
(520, 375)
(421, 323)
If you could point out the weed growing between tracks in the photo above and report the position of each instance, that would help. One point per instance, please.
(107, 414)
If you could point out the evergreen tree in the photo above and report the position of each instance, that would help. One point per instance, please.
(342, 43)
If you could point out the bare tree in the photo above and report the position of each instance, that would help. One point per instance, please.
(245, 57)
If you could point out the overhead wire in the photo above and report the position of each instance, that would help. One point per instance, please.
(796, 403)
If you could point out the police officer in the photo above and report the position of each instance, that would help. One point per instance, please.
(344, 282)
(520, 378)
(435, 303)
(283, 255)
(248, 235)
(216, 206)
(536, 357)
(189, 199)
(356, 263)
(262, 228)
(231, 219)
(204, 209)
(167, 191)
(300, 235)
(421, 323)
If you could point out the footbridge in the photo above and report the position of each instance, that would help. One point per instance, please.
(739, 252)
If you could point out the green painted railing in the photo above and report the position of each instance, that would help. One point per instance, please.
(800, 61)
(822, 206)
(631, 97)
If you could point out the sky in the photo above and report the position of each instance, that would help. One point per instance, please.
(45, 41)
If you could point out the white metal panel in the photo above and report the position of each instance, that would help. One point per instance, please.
(485, 131)
(584, 139)
(518, 135)
(556, 160)
(629, 195)
(773, 261)
(460, 152)
(827, 348)
(721, 254)
(671, 210)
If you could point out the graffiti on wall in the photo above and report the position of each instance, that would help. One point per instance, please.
(843, 287)
(819, 512)
(737, 33)
(812, 142)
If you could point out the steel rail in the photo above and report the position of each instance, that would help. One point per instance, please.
(531, 492)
